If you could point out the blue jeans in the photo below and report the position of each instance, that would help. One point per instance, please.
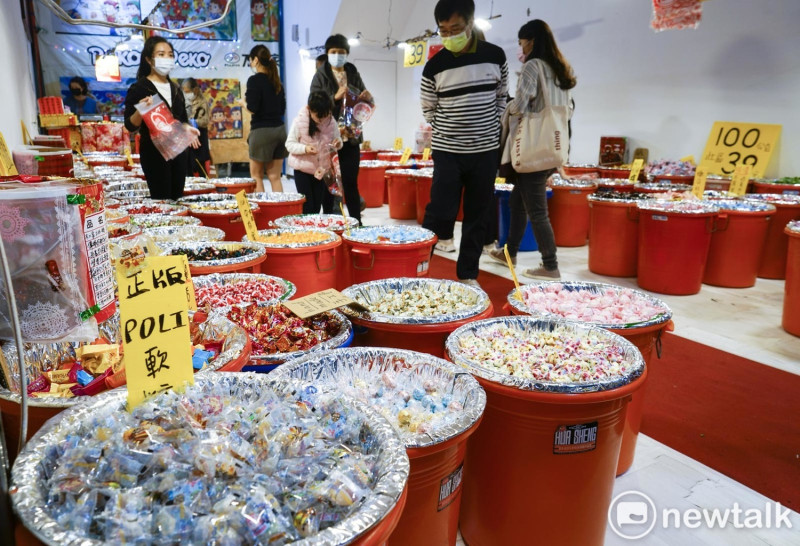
(529, 200)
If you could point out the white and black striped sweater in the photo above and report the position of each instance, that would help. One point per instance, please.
(463, 97)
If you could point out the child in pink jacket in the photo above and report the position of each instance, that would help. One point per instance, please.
(312, 132)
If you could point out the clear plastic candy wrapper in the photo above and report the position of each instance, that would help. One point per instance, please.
(231, 460)
(355, 113)
(169, 136)
(426, 399)
(676, 14)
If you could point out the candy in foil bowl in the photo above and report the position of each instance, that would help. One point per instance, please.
(742, 205)
(481, 337)
(294, 238)
(160, 220)
(153, 207)
(276, 197)
(127, 186)
(792, 228)
(624, 300)
(129, 194)
(249, 252)
(222, 207)
(231, 181)
(189, 233)
(577, 183)
(784, 199)
(198, 186)
(383, 377)
(617, 197)
(390, 235)
(368, 444)
(678, 207)
(118, 231)
(450, 300)
(206, 198)
(286, 288)
(332, 222)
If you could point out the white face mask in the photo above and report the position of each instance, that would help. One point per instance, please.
(164, 65)
(337, 59)
(189, 96)
(521, 54)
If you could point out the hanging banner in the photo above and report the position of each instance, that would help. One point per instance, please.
(265, 20)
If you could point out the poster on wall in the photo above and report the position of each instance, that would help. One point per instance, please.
(265, 20)
(112, 11)
(223, 97)
(176, 14)
(110, 96)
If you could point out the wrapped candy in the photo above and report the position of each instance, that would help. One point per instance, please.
(356, 111)
(169, 135)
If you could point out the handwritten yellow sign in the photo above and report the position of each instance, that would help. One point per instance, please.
(154, 323)
(741, 177)
(688, 159)
(405, 157)
(426, 154)
(733, 143)
(319, 302)
(699, 185)
(414, 54)
(247, 216)
(636, 168)
(190, 296)
(398, 143)
(7, 167)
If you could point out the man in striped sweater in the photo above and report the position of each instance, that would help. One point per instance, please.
(464, 89)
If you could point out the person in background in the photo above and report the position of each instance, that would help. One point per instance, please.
(463, 94)
(320, 60)
(540, 54)
(335, 77)
(312, 131)
(197, 109)
(266, 100)
(80, 101)
(165, 179)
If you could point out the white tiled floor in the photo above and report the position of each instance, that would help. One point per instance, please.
(741, 321)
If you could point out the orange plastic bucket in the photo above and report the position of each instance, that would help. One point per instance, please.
(773, 186)
(674, 237)
(569, 211)
(737, 243)
(613, 236)
(581, 170)
(773, 258)
(228, 221)
(234, 185)
(402, 194)
(791, 289)
(555, 454)
(379, 533)
(371, 253)
(272, 206)
(371, 183)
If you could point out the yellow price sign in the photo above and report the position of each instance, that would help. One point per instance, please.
(426, 154)
(414, 54)
(398, 143)
(7, 167)
(699, 185)
(732, 143)
(154, 324)
(741, 177)
(248, 219)
(636, 168)
(499, 180)
(688, 159)
(405, 157)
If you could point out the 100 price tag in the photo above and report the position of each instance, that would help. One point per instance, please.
(731, 144)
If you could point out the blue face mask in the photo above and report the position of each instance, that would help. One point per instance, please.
(337, 59)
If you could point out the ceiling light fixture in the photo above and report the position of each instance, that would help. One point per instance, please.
(355, 41)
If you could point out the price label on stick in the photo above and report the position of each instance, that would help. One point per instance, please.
(426, 154)
(699, 185)
(7, 167)
(247, 216)
(319, 302)
(741, 177)
(406, 155)
(635, 170)
(732, 143)
(398, 143)
(154, 323)
(414, 54)
(513, 272)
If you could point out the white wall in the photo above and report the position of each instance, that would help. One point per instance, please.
(663, 90)
(17, 95)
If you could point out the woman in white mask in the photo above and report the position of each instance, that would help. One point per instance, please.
(164, 178)
(335, 77)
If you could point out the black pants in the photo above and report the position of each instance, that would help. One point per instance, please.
(313, 189)
(473, 174)
(165, 179)
(529, 200)
(349, 159)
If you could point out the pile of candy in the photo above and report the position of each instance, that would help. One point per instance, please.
(596, 303)
(681, 207)
(793, 226)
(390, 234)
(152, 209)
(420, 301)
(212, 253)
(119, 230)
(275, 329)
(244, 291)
(185, 234)
(294, 237)
(670, 168)
(788, 180)
(742, 206)
(216, 205)
(775, 198)
(217, 464)
(333, 222)
(557, 355)
(159, 220)
(610, 195)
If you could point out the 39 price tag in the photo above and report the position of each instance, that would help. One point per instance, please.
(398, 143)
(732, 143)
(426, 154)
(7, 167)
(741, 177)
(636, 168)
(248, 219)
(699, 185)
(414, 54)
(406, 155)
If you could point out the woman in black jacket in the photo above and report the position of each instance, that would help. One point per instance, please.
(334, 78)
(164, 178)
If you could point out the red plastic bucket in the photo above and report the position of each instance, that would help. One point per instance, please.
(379, 533)
(773, 258)
(272, 206)
(369, 155)
(389, 155)
(622, 185)
(716, 183)
(613, 236)
(402, 194)
(773, 186)
(371, 183)
(674, 178)
(674, 237)
(581, 170)
(370, 259)
(614, 172)
(791, 290)
(249, 266)
(234, 185)
(569, 211)
(423, 193)
(737, 243)
(228, 221)
(556, 455)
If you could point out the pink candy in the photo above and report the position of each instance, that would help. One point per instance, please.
(238, 292)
